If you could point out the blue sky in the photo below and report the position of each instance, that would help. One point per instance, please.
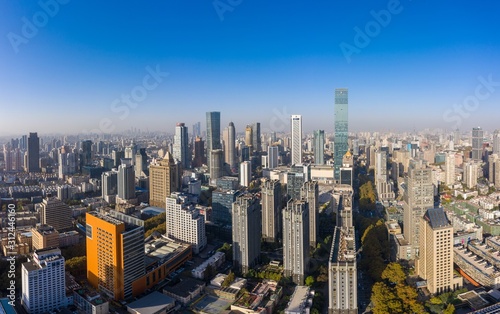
(256, 61)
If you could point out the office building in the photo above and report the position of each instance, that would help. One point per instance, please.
(213, 134)
(249, 138)
(109, 189)
(164, 178)
(271, 200)
(296, 177)
(141, 163)
(44, 282)
(185, 223)
(199, 152)
(33, 153)
(347, 171)
(341, 129)
(126, 180)
(449, 168)
(318, 147)
(246, 232)
(435, 261)
(115, 255)
(229, 138)
(222, 203)
(256, 139)
(44, 237)
(130, 152)
(418, 197)
(181, 145)
(216, 164)
(296, 240)
(310, 194)
(245, 173)
(496, 142)
(272, 156)
(471, 169)
(86, 153)
(477, 143)
(56, 213)
(117, 157)
(296, 131)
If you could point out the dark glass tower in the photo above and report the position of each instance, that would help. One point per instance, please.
(341, 128)
(33, 153)
(213, 133)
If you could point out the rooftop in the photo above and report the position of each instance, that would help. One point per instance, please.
(154, 302)
(299, 300)
(436, 218)
(343, 245)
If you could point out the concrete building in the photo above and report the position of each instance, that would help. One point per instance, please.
(115, 255)
(216, 164)
(229, 138)
(126, 179)
(181, 145)
(296, 243)
(341, 129)
(246, 232)
(43, 282)
(301, 301)
(33, 153)
(245, 173)
(319, 147)
(477, 143)
(56, 213)
(449, 168)
(109, 189)
(471, 170)
(164, 179)
(435, 261)
(272, 156)
(296, 131)
(184, 222)
(310, 194)
(271, 200)
(222, 204)
(44, 237)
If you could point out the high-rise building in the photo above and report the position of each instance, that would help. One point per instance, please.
(222, 203)
(271, 199)
(342, 265)
(296, 139)
(296, 240)
(228, 136)
(86, 154)
(341, 129)
(126, 180)
(181, 145)
(245, 173)
(184, 222)
(33, 152)
(216, 164)
(115, 255)
(256, 140)
(117, 157)
(164, 179)
(347, 171)
(196, 129)
(435, 262)
(418, 197)
(449, 168)
(130, 152)
(318, 147)
(246, 232)
(296, 177)
(272, 155)
(109, 189)
(67, 162)
(44, 282)
(380, 166)
(213, 134)
(141, 162)
(7, 157)
(477, 143)
(471, 169)
(310, 194)
(199, 152)
(496, 142)
(56, 213)
(249, 138)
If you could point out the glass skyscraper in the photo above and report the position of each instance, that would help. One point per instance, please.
(213, 133)
(318, 147)
(341, 128)
(296, 139)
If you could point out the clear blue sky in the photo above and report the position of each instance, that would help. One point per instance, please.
(259, 61)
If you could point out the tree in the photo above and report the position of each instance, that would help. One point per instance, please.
(450, 309)
(229, 280)
(394, 273)
(77, 266)
(309, 281)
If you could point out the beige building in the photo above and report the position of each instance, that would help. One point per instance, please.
(44, 236)
(435, 261)
(56, 213)
(163, 180)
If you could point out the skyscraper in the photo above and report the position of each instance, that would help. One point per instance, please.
(249, 137)
(141, 162)
(229, 145)
(296, 240)
(257, 143)
(296, 139)
(318, 147)
(199, 152)
(418, 197)
(55, 213)
(272, 155)
(222, 203)
(435, 263)
(115, 255)
(496, 142)
(33, 164)
(216, 164)
(477, 143)
(213, 134)
(184, 222)
(109, 189)
(271, 210)
(449, 168)
(310, 193)
(246, 232)
(126, 180)
(86, 154)
(341, 129)
(245, 173)
(181, 145)
(44, 282)
(163, 180)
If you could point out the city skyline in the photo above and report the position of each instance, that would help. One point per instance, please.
(251, 63)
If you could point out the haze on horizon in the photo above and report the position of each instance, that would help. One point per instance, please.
(425, 66)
